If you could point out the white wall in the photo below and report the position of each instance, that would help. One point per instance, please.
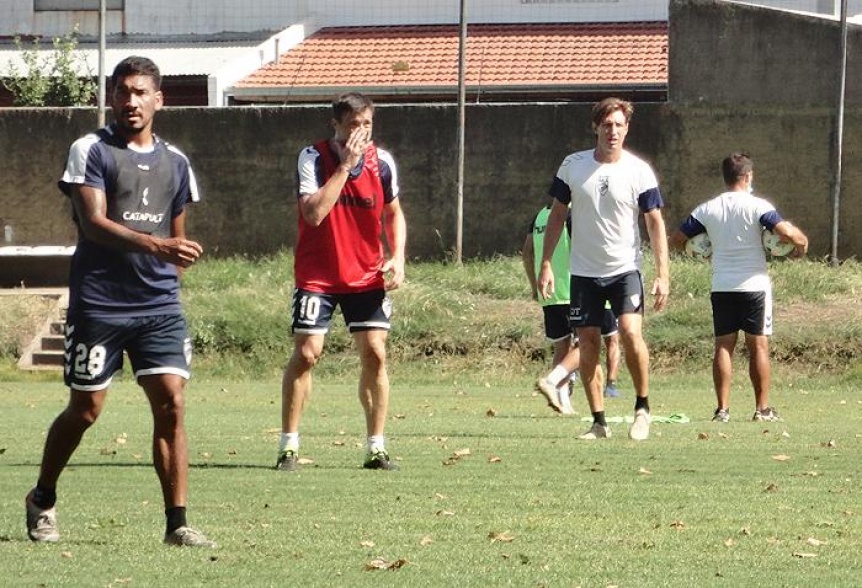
(178, 17)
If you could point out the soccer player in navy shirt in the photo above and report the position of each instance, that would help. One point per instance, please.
(128, 190)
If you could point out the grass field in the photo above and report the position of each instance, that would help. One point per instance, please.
(494, 491)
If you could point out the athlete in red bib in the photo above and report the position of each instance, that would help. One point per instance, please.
(348, 197)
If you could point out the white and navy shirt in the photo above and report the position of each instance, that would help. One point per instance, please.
(144, 190)
(606, 200)
(734, 221)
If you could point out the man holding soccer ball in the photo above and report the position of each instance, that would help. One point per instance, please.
(741, 289)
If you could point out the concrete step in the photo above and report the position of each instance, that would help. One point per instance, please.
(47, 358)
(53, 342)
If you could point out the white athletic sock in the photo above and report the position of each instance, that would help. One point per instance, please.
(557, 375)
(290, 440)
(375, 443)
(563, 392)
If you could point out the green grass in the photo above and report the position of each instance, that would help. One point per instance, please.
(699, 504)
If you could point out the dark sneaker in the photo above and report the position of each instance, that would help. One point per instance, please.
(188, 537)
(721, 415)
(611, 391)
(287, 461)
(41, 523)
(379, 460)
(767, 414)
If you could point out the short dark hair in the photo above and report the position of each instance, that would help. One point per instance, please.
(609, 105)
(136, 65)
(350, 103)
(735, 166)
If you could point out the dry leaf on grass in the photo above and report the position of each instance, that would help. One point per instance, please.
(644, 472)
(379, 563)
(494, 459)
(729, 542)
(504, 537)
(803, 555)
(367, 543)
(445, 513)
(703, 436)
(814, 542)
(678, 525)
(426, 540)
(304, 461)
(491, 412)
(771, 488)
(781, 457)
(831, 444)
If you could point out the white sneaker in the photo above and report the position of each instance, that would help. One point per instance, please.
(549, 391)
(596, 432)
(188, 537)
(41, 524)
(640, 428)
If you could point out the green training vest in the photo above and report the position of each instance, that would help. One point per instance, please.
(559, 261)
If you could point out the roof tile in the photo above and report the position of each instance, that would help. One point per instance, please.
(496, 55)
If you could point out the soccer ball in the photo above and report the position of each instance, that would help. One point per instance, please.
(774, 246)
(699, 246)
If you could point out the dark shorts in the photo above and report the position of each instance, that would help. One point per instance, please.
(94, 349)
(558, 322)
(624, 292)
(750, 312)
(363, 311)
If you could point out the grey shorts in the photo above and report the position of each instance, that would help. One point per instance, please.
(94, 348)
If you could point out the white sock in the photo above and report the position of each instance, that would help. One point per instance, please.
(557, 375)
(290, 440)
(375, 443)
(563, 392)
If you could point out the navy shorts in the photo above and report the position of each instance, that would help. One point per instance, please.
(558, 322)
(590, 297)
(94, 348)
(750, 312)
(363, 311)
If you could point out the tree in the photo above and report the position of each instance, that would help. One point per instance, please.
(52, 79)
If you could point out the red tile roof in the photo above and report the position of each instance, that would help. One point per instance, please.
(502, 56)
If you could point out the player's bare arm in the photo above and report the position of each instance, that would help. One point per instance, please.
(395, 227)
(90, 206)
(553, 230)
(528, 257)
(315, 207)
(658, 243)
(787, 231)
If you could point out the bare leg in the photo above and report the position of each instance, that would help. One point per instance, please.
(722, 368)
(612, 347)
(636, 352)
(170, 449)
(66, 433)
(589, 341)
(296, 381)
(758, 368)
(374, 379)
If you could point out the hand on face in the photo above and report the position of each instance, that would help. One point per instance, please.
(351, 150)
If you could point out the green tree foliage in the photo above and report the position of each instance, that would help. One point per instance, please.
(50, 79)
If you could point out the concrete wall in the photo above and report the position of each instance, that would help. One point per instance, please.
(245, 159)
(732, 54)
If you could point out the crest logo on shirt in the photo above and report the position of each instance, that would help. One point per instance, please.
(604, 185)
(144, 197)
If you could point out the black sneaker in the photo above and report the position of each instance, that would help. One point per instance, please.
(287, 461)
(379, 460)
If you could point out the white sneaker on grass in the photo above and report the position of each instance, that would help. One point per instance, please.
(41, 523)
(549, 391)
(188, 537)
(597, 431)
(640, 428)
